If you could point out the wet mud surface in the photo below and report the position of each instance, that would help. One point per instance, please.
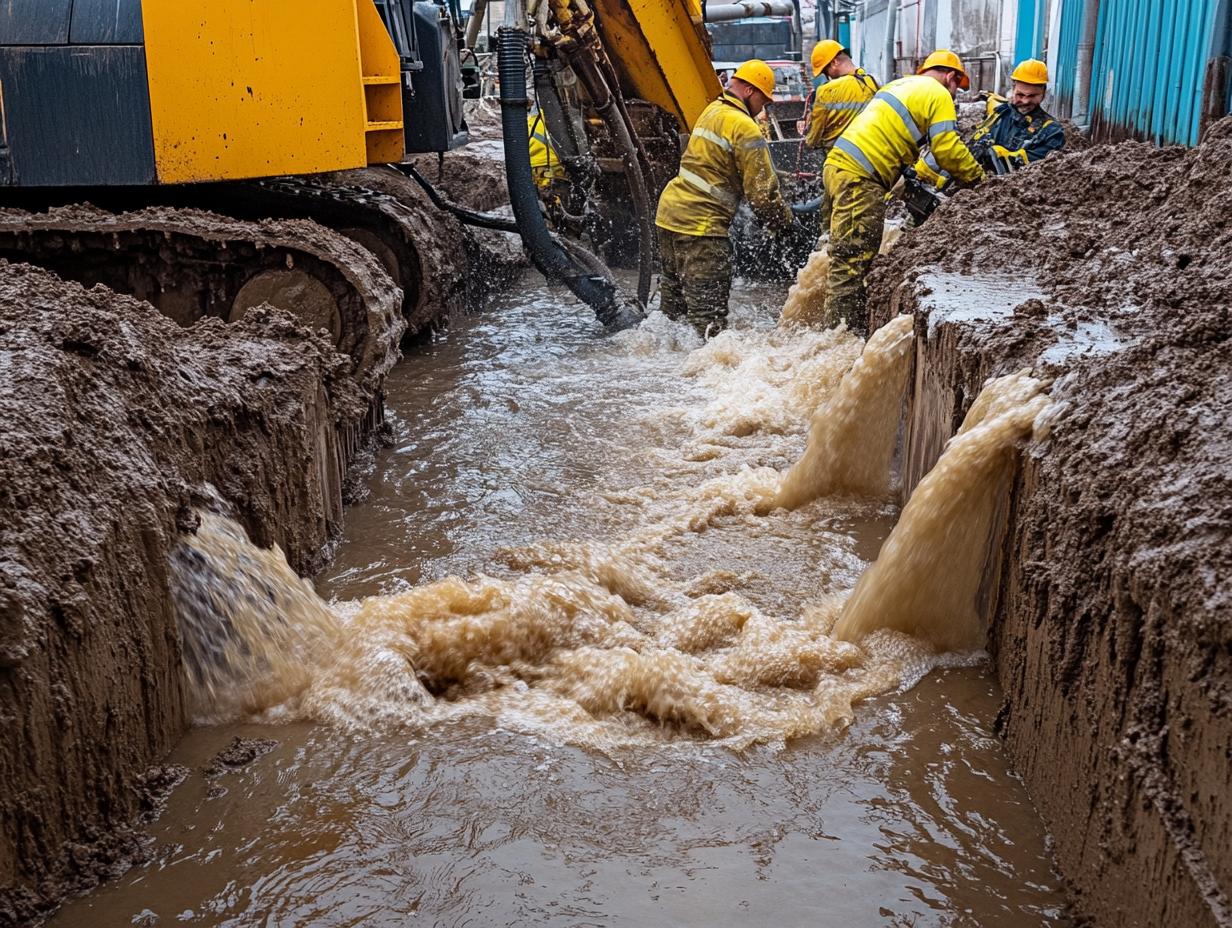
(117, 423)
(1109, 271)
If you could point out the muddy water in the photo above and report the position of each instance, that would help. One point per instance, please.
(537, 461)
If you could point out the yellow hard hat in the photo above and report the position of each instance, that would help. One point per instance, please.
(759, 74)
(1031, 71)
(944, 58)
(824, 52)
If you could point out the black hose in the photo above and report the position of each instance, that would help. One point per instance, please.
(469, 216)
(614, 309)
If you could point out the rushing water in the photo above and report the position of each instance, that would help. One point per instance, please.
(593, 680)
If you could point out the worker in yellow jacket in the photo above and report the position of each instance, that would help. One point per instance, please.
(868, 159)
(836, 102)
(545, 166)
(726, 160)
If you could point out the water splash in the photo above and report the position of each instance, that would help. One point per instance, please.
(622, 638)
(926, 580)
(806, 300)
(851, 437)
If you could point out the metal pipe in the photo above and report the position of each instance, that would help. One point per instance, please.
(613, 308)
(478, 12)
(725, 12)
(515, 14)
(1086, 60)
(564, 120)
(891, 60)
(604, 100)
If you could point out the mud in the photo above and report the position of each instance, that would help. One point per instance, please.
(184, 262)
(117, 423)
(1106, 270)
(238, 754)
(460, 266)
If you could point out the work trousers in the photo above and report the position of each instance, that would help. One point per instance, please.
(857, 220)
(695, 279)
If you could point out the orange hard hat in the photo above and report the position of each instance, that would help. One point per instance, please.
(944, 58)
(757, 73)
(1031, 71)
(824, 52)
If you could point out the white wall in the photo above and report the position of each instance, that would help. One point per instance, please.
(980, 31)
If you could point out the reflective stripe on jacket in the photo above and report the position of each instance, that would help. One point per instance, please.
(886, 136)
(835, 105)
(1036, 135)
(726, 159)
(544, 165)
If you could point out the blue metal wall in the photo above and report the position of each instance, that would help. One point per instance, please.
(1150, 64)
(1029, 36)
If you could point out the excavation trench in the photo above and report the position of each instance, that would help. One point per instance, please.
(591, 678)
(574, 661)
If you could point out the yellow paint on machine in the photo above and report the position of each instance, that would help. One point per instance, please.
(258, 89)
(660, 51)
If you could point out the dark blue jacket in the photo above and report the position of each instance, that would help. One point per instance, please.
(1036, 134)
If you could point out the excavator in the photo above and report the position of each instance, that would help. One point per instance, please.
(195, 129)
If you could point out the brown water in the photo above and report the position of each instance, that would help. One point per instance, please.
(598, 686)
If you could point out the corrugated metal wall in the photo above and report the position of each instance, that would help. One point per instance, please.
(1029, 38)
(1150, 65)
(1063, 78)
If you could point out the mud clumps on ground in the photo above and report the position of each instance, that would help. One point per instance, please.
(1107, 269)
(116, 424)
(238, 754)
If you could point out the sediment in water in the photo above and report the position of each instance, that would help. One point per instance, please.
(1107, 584)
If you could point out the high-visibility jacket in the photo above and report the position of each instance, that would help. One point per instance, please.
(1024, 138)
(1027, 137)
(544, 165)
(887, 134)
(726, 158)
(835, 105)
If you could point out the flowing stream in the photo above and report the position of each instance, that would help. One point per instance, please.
(576, 659)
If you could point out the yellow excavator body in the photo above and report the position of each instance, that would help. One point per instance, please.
(660, 51)
(241, 89)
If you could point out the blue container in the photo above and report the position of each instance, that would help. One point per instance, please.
(1029, 36)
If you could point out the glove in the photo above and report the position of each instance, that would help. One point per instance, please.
(1019, 155)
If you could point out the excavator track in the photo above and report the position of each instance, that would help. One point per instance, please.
(421, 250)
(191, 264)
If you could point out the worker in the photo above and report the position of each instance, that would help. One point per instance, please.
(867, 161)
(545, 166)
(835, 103)
(726, 159)
(1019, 130)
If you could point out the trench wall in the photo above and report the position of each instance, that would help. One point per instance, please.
(115, 420)
(1107, 585)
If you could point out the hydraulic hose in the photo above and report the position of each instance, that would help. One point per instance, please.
(471, 217)
(607, 104)
(614, 309)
